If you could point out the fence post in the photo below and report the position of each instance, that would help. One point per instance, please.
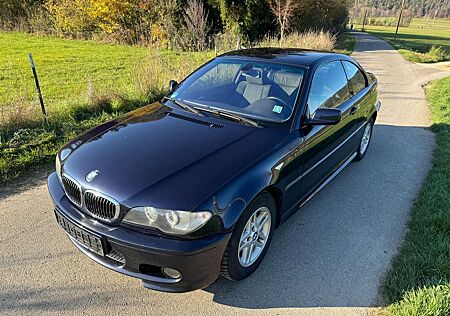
(38, 88)
(398, 22)
(215, 44)
(364, 20)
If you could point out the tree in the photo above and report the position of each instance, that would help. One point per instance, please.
(284, 14)
(330, 15)
(194, 33)
(247, 18)
(70, 16)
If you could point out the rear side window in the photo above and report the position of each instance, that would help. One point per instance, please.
(356, 78)
(329, 87)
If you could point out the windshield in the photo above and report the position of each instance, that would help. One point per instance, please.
(259, 90)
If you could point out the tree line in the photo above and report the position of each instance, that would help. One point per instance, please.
(390, 8)
(185, 24)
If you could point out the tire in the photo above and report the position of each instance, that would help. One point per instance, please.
(233, 266)
(364, 142)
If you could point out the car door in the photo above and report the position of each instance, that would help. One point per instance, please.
(358, 86)
(326, 147)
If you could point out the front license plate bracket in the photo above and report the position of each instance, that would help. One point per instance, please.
(91, 241)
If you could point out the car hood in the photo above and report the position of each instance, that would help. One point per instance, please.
(163, 157)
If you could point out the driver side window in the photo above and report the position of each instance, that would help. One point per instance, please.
(329, 87)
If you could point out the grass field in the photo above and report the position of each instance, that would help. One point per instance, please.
(83, 83)
(414, 42)
(73, 72)
(418, 282)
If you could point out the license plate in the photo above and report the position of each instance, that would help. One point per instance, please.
(86, 239)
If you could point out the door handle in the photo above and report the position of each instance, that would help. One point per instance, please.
(354, 109)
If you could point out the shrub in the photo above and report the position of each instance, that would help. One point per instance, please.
(193, 33)
(330, 15)
(438, 53)
(228, 41)
(69, 17)
(433, 55)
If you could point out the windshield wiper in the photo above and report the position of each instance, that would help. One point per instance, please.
(183, 105)
(227, 114)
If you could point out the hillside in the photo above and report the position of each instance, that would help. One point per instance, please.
(418, 8)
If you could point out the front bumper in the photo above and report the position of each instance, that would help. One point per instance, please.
(143, 255)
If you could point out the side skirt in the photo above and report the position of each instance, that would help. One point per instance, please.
(320, 187)
(338, 171)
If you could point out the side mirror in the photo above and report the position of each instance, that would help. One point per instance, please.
(172, 85)
(324, 117)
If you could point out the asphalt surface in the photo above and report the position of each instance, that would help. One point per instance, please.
(328, 259)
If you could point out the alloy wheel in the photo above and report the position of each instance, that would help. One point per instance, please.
(254, 236)
(365, 138)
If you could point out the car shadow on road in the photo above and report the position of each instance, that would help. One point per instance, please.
(335, 251)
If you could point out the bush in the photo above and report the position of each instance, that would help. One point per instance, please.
(433, 55)
(228, 41)
(438, 53)
(383, 21)
(329, 15)
(165, 23)
(193, 33)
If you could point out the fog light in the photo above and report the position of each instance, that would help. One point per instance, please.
(171, 273)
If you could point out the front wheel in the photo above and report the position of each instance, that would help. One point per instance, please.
(250, 240)
(365, 140)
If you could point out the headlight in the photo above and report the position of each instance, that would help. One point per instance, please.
(168, 221)
(58, 167)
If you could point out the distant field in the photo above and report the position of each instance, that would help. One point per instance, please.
(415, 41)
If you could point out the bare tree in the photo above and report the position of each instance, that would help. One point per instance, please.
(284, 13)
(194, 33)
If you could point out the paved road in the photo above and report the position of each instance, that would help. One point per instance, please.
(327, 259)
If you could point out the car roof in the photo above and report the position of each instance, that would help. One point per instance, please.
(293, 56)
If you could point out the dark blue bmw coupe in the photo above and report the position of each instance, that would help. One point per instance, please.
(183, 190)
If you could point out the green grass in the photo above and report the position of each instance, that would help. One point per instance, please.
(83, 84)
(415, 41)
(345, 43)
(418, 282)
(71, 71)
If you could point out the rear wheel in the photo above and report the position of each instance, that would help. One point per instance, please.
(250, 240)
(365, 140)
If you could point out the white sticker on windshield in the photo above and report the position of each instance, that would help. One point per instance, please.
(174, 94)
(277, 109)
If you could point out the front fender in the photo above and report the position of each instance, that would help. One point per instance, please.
(233, 199)
(230, 201)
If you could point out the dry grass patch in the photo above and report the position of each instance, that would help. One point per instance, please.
(322, 41)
